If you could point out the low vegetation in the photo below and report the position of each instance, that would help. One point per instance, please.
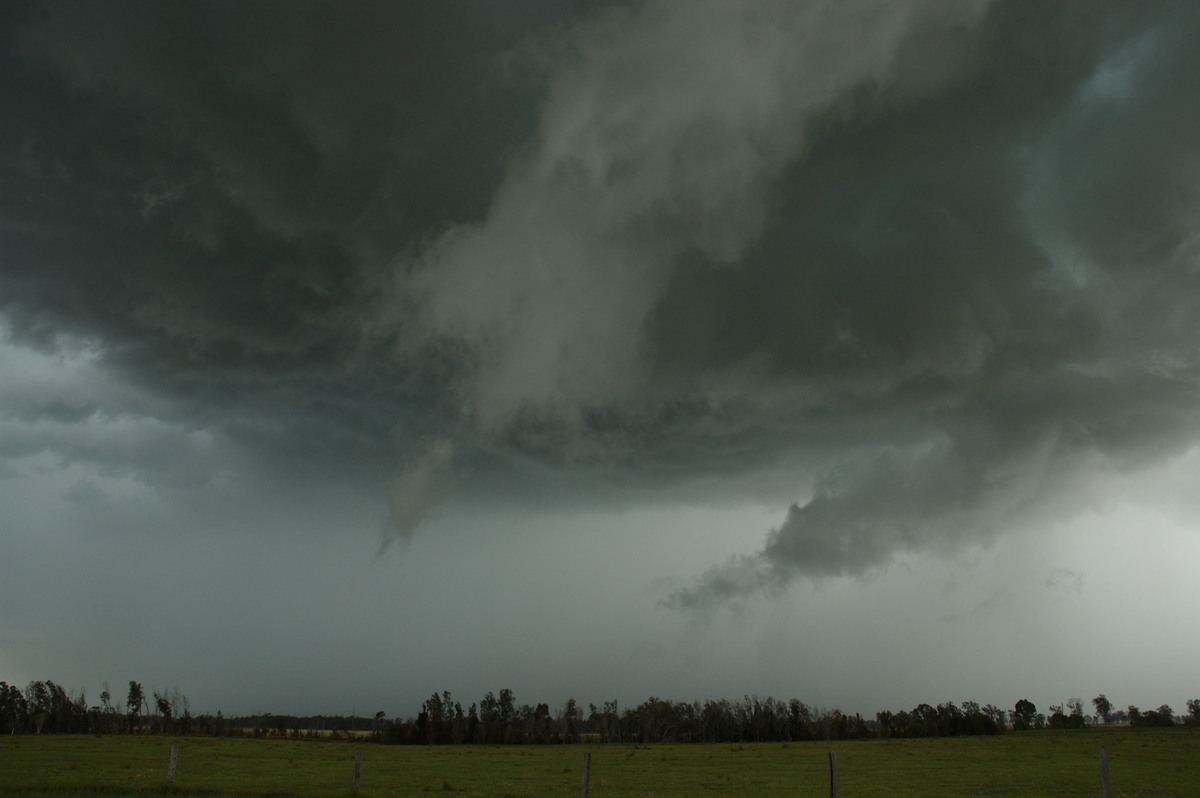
(1143, 762)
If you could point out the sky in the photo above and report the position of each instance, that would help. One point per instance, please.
(839, 350)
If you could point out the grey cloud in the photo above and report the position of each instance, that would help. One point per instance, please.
(1064, 583)
(955, 312)
(922, 269)
(296, 113)
(650, 148)
(575, 300)
(1026, 458)
(204, 199)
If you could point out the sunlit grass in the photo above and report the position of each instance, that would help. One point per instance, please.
(1142, 763)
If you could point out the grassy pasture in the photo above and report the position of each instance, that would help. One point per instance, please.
(1142, 762)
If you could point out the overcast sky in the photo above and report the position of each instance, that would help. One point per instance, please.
(846, 351)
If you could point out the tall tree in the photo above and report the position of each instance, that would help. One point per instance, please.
(1075, 718)
(507, 710)
(571, 715)
(163, 704)
(133, 703)
(1023, 715)
(14, 709)
(489, 717)
(1103, 707)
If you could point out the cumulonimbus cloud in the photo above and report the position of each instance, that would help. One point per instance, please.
(920, 270)
(664, 132)
(839, 215)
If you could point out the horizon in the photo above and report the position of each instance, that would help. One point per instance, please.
(181, 704)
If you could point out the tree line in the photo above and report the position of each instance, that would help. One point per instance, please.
(47, 707)
(500, 719)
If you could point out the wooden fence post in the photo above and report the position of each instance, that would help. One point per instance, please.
(1104, 773)
(171, 761)
(587, 770)
(357, 769)
(833, 775)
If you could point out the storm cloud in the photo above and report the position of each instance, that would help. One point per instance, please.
(917, 274)
(891, 224)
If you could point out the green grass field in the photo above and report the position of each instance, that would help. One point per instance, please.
(1161, 763)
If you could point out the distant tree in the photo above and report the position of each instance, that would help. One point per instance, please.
(181, 711)
(49, 703)
(522, 727)
(431, 720)
(133, 703)
(38, 696)
(884, 719)
(923, 721)
(68, 713)
(542, 726)
(163, 704)
(1075, 718)
(14, 709)
(489, 717)
(1023, 715)
(109, 715)
(472, 724)
(570, 716)
(1163, 716)
(506, 709)
(799, 720)
(982, 720)
(655, 721)
(948, 720)
(459, 731)
(998, 718)
(1104, 707)
(606, 721)
(1193, 718)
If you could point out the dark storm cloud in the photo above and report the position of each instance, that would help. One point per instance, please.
(866, 252)
(925, 269)
(1028, 289)
(203, 197)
